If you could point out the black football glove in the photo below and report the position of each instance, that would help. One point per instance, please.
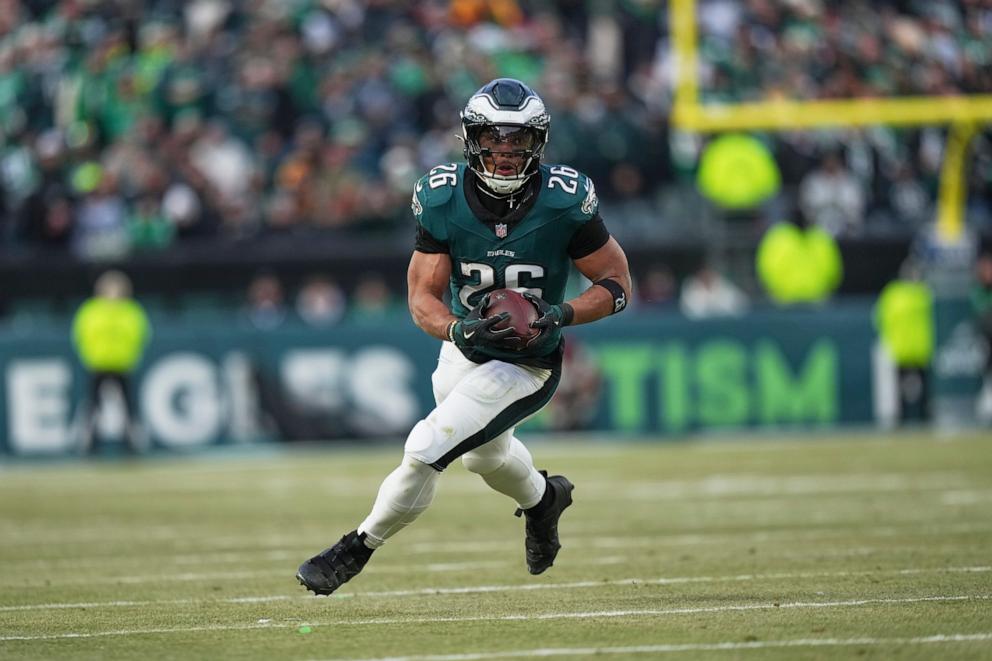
(476, 331)
(550, 317)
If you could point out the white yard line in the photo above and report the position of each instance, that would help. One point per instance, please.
(958, 497)
(596, 537)
(690, 647)
(13, 536)
(581, 615)
(711, 487)
(590, 538)
(525, 587)
(739, 486)
(285, 571)
(582, 541)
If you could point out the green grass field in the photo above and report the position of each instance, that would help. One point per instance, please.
(875, 547)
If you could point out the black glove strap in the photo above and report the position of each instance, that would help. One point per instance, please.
(616, 291)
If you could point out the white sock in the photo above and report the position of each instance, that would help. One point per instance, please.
(404, 494)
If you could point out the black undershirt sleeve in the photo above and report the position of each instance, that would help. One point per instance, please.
(589, 238)
(427, 243)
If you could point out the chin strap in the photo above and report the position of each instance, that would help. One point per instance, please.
(480, 184)
(509, 198)
(521, 178)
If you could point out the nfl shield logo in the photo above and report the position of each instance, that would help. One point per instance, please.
(501, 230)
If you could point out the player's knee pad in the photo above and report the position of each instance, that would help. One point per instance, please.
(506, 466)
(483, 463)
(417, 467)
(420, 439)
(489, 457)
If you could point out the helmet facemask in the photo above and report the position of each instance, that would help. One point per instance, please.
(504, 128)
(504, 156)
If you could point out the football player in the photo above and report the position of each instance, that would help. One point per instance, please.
(503, 219)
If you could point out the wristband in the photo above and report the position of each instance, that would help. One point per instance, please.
(567, 314)
(616, 291)
(450, 331)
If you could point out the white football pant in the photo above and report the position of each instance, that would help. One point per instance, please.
(478, 407)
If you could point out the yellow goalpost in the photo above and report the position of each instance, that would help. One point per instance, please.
(962, 113)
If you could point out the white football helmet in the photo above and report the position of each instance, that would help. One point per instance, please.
(502, 109)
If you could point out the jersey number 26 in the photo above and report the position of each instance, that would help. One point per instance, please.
(515, 276)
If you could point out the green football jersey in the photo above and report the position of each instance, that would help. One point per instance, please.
(532, 255)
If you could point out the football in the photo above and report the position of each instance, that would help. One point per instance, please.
(522, 312)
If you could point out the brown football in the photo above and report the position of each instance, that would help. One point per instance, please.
(522, 312)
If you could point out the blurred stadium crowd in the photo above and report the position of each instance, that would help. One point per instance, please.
(871, 181)
(809, 49)
(237, 120)
(132, 127)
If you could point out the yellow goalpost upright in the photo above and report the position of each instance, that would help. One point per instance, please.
(962, 113)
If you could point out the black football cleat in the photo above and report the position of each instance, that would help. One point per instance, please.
(331, 568)
(542, 526)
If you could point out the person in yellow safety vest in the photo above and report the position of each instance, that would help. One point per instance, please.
(737, 172)
(905, 322)
(798, 263)
(110, 331)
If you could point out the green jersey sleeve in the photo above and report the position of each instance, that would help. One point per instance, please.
(572, 192)
(431, 196)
